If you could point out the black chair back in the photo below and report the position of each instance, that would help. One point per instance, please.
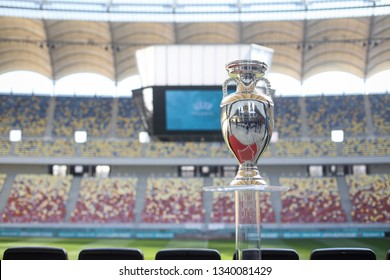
(111, 254)
(188, 254)
(35, 253)
(269, 254)
(343, 254)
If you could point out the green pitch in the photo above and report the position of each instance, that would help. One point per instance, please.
(226, 247)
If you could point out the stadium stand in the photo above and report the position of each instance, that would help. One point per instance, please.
(96, 115)
(37, 198)
(133, 148)
(105, 200)
(326, 113)
(176, 149)
(27, 113)
(288, 120)
(173, 200)
(179, 200)
(312, 200)
(380, 113)
(39, 147)
(305, 148)
(2, 180)
(223, 207)
(366, 147)
(5, 147)
(108, 148)
(128, 120)
(321, 195)
(370, 197)
(82, 113)
(218, 149)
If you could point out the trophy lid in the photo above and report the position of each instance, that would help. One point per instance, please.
(239, 67)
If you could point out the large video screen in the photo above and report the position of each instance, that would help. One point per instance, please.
(189, 110)
(180, 113)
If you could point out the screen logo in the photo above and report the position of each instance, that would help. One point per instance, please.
(202, 108)
(193, 109)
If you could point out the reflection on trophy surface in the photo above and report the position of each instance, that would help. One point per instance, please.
(247, 119)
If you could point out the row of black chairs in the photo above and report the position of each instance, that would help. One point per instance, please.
(52, 253)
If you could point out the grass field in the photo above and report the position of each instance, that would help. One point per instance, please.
(226, 247)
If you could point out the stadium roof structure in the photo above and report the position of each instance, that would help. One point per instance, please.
(193, 10)
(57, 38)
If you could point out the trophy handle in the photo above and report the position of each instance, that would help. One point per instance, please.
(265, 80)
(266, 83)
(225, 85)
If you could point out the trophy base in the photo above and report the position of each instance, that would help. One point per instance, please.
(248, 179)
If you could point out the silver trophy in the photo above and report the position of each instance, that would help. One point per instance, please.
(247, 119)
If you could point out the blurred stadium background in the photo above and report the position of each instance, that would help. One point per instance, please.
(82, 156)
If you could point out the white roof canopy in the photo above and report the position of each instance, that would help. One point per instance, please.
(173, 65)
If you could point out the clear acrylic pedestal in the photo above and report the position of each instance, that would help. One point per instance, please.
(247, 217)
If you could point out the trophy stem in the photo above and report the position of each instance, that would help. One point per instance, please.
(248, 227)
(248, 175)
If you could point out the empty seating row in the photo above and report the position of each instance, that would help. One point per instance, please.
(326, 113)
(54, 253)
(128, 121)
(2, 180)
(37, 198)
(82, 113)
(311, 200)
(173, 200)
(380, 104)
(370, 197)
(44, 199)
(288, 118)
(94, 147)
(96, 115)
(105, 200)
(28, 113)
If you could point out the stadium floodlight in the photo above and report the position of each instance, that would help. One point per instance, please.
(59, 170)
(15, 135)
(316, 171)
(144, 137)
(205, 169)
(337, 136)
(359, 169)
(80, 136)
(78, 169)
(274, 137)
(102, 171)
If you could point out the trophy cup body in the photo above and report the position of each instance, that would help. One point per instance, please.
(247, 120)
